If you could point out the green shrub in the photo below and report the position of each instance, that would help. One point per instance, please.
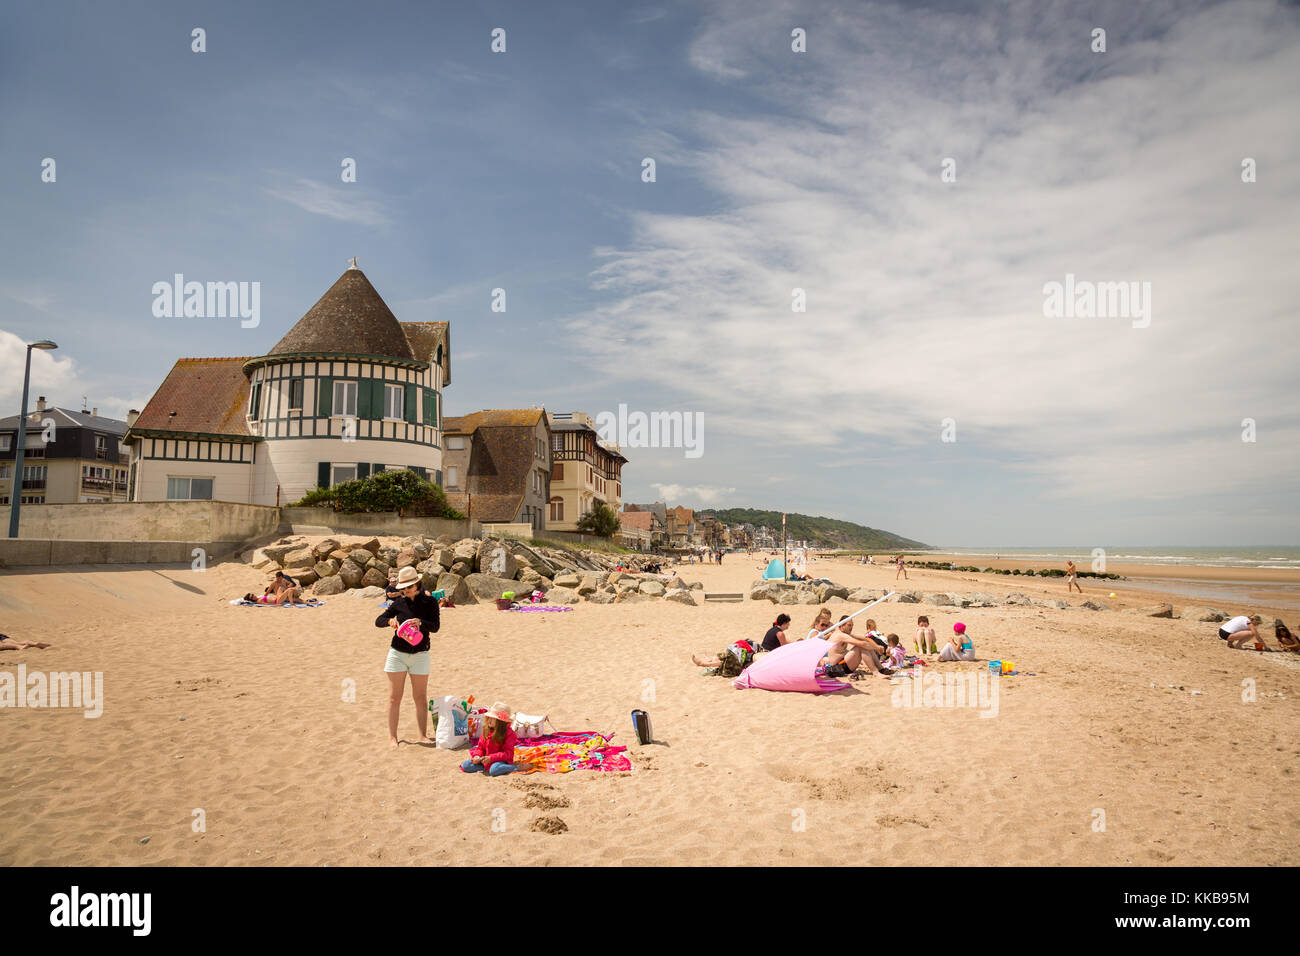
(384, 491)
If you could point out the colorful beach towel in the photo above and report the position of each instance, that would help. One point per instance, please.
(539, 607)
(561, 753)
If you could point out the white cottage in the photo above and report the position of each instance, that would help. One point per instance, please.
(347, 392)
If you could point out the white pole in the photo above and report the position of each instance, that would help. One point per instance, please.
(836, 626)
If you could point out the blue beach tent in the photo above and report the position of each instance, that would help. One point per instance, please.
(775, 570)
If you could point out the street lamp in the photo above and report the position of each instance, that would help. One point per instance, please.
(16, 486)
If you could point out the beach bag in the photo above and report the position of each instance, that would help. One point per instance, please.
(527, 727)
(474, 723)
(453, 724)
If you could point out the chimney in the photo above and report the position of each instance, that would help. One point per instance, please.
(94, 412)
(131, 416)
(40, 404)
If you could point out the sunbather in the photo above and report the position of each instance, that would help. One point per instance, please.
(8, 643)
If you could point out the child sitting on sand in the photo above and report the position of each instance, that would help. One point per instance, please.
(848, 652)
(964, 649)
(896, 653)
(924, 637)
(494, 754)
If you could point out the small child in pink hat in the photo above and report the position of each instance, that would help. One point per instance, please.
(494, 754)
(960, 648)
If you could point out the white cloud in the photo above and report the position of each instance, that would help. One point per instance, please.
(333, 202)
(925, 298)
(692, 495)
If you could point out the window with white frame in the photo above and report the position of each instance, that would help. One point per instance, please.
(394, 397)
(341, 473)
(453, 476)
(456, 443)
(189, 489)
(295, 394)
(6, 442)
(345, 400)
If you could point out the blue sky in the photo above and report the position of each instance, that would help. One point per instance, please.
(775, 170)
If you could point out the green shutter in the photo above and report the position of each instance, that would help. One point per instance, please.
(363, 469)
(378, 398)
(437, 410)
(363, 399)
(408, 403)
(428, 406)
(325, 401)
(323, 474)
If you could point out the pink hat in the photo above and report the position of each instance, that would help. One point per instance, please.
(959, 627)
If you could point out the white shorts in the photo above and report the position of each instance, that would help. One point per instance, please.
(400, 662)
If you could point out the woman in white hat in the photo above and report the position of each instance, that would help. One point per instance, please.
(494, 754)
(413, 613)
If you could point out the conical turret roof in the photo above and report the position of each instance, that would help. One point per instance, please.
(350, 319)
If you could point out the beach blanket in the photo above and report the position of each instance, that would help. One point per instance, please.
(242, 603)
(791, 667)
(561, 753)
(539, 607)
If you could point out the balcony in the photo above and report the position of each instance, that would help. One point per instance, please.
(33, 484)
(97, 484)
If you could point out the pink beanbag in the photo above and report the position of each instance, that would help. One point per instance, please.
(791, 667)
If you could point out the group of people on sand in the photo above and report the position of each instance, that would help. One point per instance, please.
(1238, 630)
(282, 590)
(849, 655)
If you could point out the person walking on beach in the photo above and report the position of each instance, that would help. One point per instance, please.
(902, 569)
(1071, 574)
(407, 658)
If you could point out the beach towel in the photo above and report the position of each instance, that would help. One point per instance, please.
(242, 603)
(562, 753)
(538, 607)
(791, 667)
(775, 570)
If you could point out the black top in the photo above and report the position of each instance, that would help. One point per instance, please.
(403, 608)
(772, 639)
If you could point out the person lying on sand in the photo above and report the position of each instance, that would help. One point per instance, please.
(8, 643)
(734, 659)
(283, 596)
(849, 652)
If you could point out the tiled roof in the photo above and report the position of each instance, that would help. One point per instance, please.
(424, 337)
(208, 395)
(644, 520)
(352, 319)
(659, 509)
(492, 418)
(67, 418)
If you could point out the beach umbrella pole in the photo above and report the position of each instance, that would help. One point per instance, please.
(836, 626)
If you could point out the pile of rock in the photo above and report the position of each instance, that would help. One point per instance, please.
(827, 592)
(469, 570)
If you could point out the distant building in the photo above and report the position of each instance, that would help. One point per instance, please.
(348, 392)
(641, 530)
(497, 465)
(583, 471)
(81, 461)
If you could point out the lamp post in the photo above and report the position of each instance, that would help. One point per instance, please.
(16, 486)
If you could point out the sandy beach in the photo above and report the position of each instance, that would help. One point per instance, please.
(1126, 740)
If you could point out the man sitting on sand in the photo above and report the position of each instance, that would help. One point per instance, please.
(849, 652)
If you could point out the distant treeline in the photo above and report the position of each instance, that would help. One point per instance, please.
(830, 531)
